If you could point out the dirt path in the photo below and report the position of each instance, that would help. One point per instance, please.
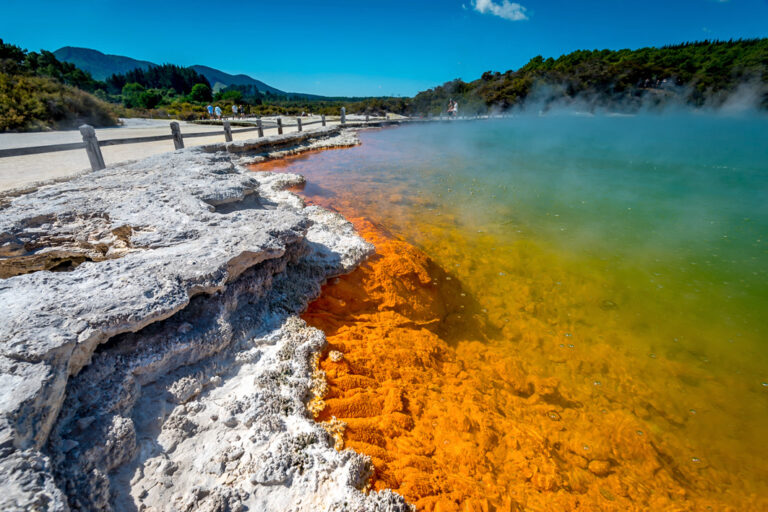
(21, 171)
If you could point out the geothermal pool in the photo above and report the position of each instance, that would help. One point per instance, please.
(563, 311)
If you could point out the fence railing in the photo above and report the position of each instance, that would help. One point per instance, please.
(93, 146)
(33, 150)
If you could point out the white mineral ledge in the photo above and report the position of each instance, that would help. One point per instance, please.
(151, 353)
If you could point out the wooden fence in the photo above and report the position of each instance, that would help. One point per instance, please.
(93, 146)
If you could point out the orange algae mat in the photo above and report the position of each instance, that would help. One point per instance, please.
(487, 390)
(453, 421)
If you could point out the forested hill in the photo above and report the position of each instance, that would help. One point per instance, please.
(695, 74)
(220, 80)
(102, 66)
(98, 64)
(167, 76)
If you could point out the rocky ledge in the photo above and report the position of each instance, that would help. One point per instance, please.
(151, 354)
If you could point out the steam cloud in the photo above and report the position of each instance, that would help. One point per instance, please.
(748, 97)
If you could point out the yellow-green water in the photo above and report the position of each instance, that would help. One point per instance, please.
(625, 257)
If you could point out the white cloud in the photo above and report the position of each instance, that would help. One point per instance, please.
(506, 9)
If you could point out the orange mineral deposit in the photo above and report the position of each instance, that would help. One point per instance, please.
(454, 420)
(483, 367)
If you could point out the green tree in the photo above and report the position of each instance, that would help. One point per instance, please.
(131, 94)
(234, 96)
(200, 93)
(150, 99)
(11, 58)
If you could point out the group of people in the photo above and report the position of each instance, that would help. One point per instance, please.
(453, 107)
(238, 112)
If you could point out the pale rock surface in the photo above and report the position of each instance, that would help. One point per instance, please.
(170, 371)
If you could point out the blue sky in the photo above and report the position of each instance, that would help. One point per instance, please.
(393, 47)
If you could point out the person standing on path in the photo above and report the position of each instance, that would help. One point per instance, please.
(234, 111)
(210, 111)
(218, 112)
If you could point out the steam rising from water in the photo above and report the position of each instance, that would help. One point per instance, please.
(750, 97)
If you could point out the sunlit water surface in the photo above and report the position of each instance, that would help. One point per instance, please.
(625, 256)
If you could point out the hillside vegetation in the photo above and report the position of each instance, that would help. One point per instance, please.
(37, 91)
(691, 74)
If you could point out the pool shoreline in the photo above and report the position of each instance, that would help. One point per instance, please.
(702, 472)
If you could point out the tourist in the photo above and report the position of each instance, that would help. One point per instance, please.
(234, 111)
(453, 107)
(218, 112)
(210, 111)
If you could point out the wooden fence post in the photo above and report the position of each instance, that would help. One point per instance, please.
(279, 125)
(92, 147)
(298, 121)
(227, 132)
(322, 119)
(260, 127)
(178, 141)
(343, 115)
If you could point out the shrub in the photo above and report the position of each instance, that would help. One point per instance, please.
(36, 103)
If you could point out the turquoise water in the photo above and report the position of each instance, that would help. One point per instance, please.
(640, 242)
(681, 200)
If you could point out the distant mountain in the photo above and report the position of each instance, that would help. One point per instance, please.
(220, 79)
(99, 65)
